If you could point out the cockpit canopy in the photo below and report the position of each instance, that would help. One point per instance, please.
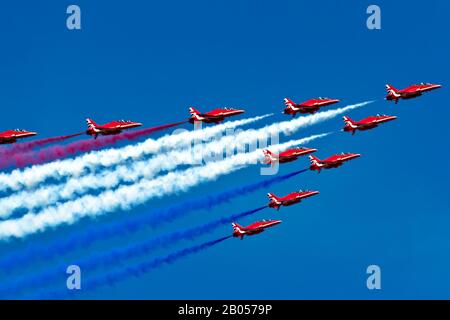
(19, 130)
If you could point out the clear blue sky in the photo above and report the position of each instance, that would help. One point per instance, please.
(149, 61)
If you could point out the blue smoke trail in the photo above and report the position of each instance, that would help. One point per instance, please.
(119, 254)
(132, 224)
(137, 269)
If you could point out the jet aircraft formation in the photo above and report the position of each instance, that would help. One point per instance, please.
(334, 161)
(217, 116)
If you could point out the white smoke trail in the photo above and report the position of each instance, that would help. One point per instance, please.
(147, 169)
(30, 177)
(126, 197)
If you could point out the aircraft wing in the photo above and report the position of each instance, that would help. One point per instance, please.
(410, 93)
(111, 129)
(368, 124)
(290, 157)
(213, 116)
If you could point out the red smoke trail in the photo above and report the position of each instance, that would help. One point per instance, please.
(27, 146)
(61, 151)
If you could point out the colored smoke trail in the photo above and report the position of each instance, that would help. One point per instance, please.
(29, 145)
(138, 269)
(117, 255)
(48, 195)
(75, 187)
(58, 152)
(141, 268)
(129, 196)
(132, 224)
(31, 177)
(147, 169)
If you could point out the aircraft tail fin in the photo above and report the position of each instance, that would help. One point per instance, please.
(349, 122)
(392, 91)
(289, 103)
(195, 113)
(268, 156)
(274, 201)
(314, 160)
(91, 123)
(272, 196)
(237, 228)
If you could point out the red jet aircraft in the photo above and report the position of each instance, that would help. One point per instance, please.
(110, 128)
(216, 116)
(11, 136)
(366, 123)
(254, 228)
(290, 199)
(287, 155)
(413, 91)
(332, 162)
(309, 106)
